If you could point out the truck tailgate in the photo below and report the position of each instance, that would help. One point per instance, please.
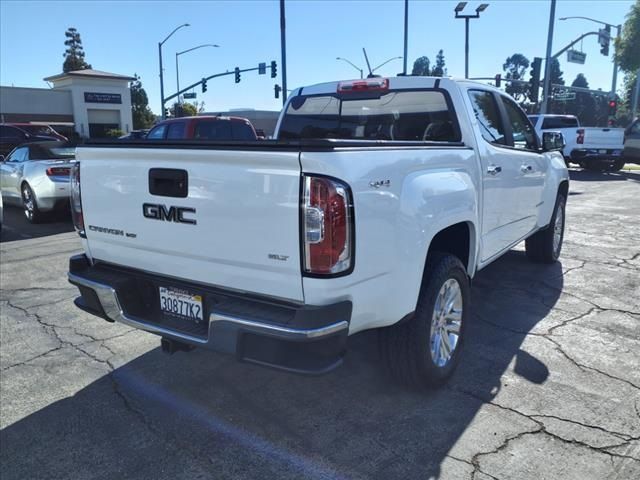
(245, 207)
(603, 137)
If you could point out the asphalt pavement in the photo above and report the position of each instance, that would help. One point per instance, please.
(548, 387)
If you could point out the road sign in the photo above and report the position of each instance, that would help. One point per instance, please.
(189, 95)
(574, 56)
(564, 95)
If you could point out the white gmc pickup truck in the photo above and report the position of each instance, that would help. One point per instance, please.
(374, 207)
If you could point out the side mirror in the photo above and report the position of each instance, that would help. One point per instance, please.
(552, 141)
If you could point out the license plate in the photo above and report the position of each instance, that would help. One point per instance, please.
(602, 152)
(181, 303)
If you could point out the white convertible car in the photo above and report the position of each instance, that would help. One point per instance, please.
(35, 176)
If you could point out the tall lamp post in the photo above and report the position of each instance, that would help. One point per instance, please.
(385, 62)
(161, 74)
(459, 8)
(353, 65)
(614, 79)
(186, 51)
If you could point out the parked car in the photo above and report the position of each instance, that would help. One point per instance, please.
(374, 207)
(204, 127)
(592, 148)
(135, 134)
(35, 176)
(632, 142)
(40, 130)
(12, 136)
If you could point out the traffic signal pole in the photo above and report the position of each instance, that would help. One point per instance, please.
(283, 47)
(546, 88)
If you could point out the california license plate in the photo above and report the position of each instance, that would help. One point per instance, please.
(181, 303)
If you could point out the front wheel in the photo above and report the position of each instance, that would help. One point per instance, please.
(425, 350)
(545, 245)
(30, 205)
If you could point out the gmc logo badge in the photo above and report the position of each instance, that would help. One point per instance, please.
(168, 214)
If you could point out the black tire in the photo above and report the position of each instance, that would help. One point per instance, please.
(540, 246)
(30, 205)
(407, 346)
(617, 166)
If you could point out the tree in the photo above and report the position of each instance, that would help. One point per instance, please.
(627, 52)
(555, 72)
(584, 105)
(143, 117)
(439, 70)
(515, 68)
(421, 67)
(74, 54)
(184, 109)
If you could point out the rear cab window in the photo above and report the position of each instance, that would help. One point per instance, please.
(396, 115)
(559, 122)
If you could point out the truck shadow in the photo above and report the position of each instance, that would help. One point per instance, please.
(589, 176)
(204, 414)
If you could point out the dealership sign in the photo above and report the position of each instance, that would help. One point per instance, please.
(94, 97)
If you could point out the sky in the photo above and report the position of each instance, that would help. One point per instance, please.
(122, 37)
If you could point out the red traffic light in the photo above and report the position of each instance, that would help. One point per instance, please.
(612, 103)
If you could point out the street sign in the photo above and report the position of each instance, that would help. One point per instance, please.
(189, 95)
(262, 68)
(564, 95)
(574, 56)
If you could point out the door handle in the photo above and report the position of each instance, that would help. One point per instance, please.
(494, 169)
(526, 168)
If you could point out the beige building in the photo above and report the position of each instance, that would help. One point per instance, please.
(88, 102)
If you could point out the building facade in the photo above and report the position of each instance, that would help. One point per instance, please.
(87, 102)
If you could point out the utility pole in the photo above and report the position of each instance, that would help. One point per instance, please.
(283, 46)
(406, 35)
(546, 93)
(635, 98)
(614, 80)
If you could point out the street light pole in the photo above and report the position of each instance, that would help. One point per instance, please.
(353, 65)
(406, 35)
(161, 70)
(614, 78)
(459, 8)
(546, 93)
(385, 62)
(186, 51)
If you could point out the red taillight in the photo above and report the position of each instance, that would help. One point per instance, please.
(580, 139)
(367, 85)
(58, 171)
(76, 200)
(327, 229)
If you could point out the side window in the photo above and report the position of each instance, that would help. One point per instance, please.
(488, 115)
(213, 130)
(242, 131)
(18, 155)
(157, 133)
(176, 131)
(10, 133)
(524, 136)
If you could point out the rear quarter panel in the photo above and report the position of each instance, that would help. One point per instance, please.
(430, 189)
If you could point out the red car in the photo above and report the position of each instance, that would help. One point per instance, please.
(204, 128)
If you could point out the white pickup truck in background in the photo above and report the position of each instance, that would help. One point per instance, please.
(593, 148)
(374, 207)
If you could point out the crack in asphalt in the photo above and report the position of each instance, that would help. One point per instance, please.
(542, 429)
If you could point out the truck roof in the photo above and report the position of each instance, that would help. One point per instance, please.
(395, 83)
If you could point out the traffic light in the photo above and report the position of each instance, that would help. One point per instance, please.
(204, 85)
(274, 70)
(604, 37)
(262, 68)
(276, 90)
(166, 112)
(536, 67)
(498, 80)
(613, 106)
(237, 75)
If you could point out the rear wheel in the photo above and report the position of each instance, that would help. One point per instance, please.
(425, 350)
(30, 205)
(617, 166)
(545, 246)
